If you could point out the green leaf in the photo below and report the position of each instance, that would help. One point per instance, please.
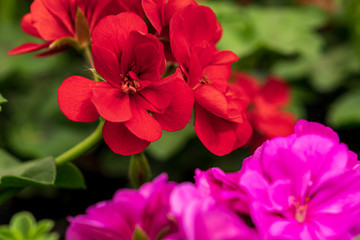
(285, 30)
(170, 143)
(23, 226)
(69, 176)
(2, 100)
(35, 172)
(43, 227)
(345, 111)
(23, 222)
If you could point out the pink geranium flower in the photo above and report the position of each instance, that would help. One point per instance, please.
(146, 209)
(304, 186)
(200, 217)
(135, 101)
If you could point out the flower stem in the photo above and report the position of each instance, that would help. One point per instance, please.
(139, 170)
(81, 147)
(88, 56)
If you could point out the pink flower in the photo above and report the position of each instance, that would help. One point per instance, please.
(135, 101)
(201, 218)
(303, 186)
(146, 209)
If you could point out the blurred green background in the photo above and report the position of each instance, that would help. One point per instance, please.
(316, 49)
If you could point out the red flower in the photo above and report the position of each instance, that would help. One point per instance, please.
(159, 13)
(135, 102)
(66, 23)
(220, 120)
(266, 112)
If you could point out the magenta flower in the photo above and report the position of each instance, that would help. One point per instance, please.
(200, 217)
(304, 186)
(146, 209)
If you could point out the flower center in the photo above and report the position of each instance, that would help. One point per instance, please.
(129, 84)
(300, 209)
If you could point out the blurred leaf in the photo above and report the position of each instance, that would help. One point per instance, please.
(2, 101)
(170, 143)
(284, 30)
(35, 172)
(23, 226)
(69, 176)
(23, 223)
(345, 110)
(326, 72)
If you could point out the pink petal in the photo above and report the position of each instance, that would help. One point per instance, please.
(304, 127)
(121, 141)
(74, 97)
(112, 104)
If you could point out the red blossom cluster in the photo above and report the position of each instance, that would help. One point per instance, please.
(266, 109)
(158, 66)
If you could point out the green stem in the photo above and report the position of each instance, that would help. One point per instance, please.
(82, 147)
(88, 56)
(139, 170)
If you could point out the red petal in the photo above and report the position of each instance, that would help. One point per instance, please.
(276, 91)
(74, 96)
(112, 104)
(243, 133)
(154, 10)
(156, 97)
(52, 18)
(113, 31)
(211, 99)
(178, 114)
(142, 124)
(121, 140)
(217, 134)
(28, 47)
(174, 6)
(144, 55)
(28, 27)
(224, 57)
(107, 65)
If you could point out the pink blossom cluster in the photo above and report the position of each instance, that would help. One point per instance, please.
(302, 186)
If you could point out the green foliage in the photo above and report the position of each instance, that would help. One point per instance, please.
(345, 110)
(327, 71)
(170, 143)
(2, 101)
(23, 226)
(15, 175)
(280, 29)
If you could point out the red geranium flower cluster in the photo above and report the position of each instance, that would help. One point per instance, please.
(266, 110)
(135, 99)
